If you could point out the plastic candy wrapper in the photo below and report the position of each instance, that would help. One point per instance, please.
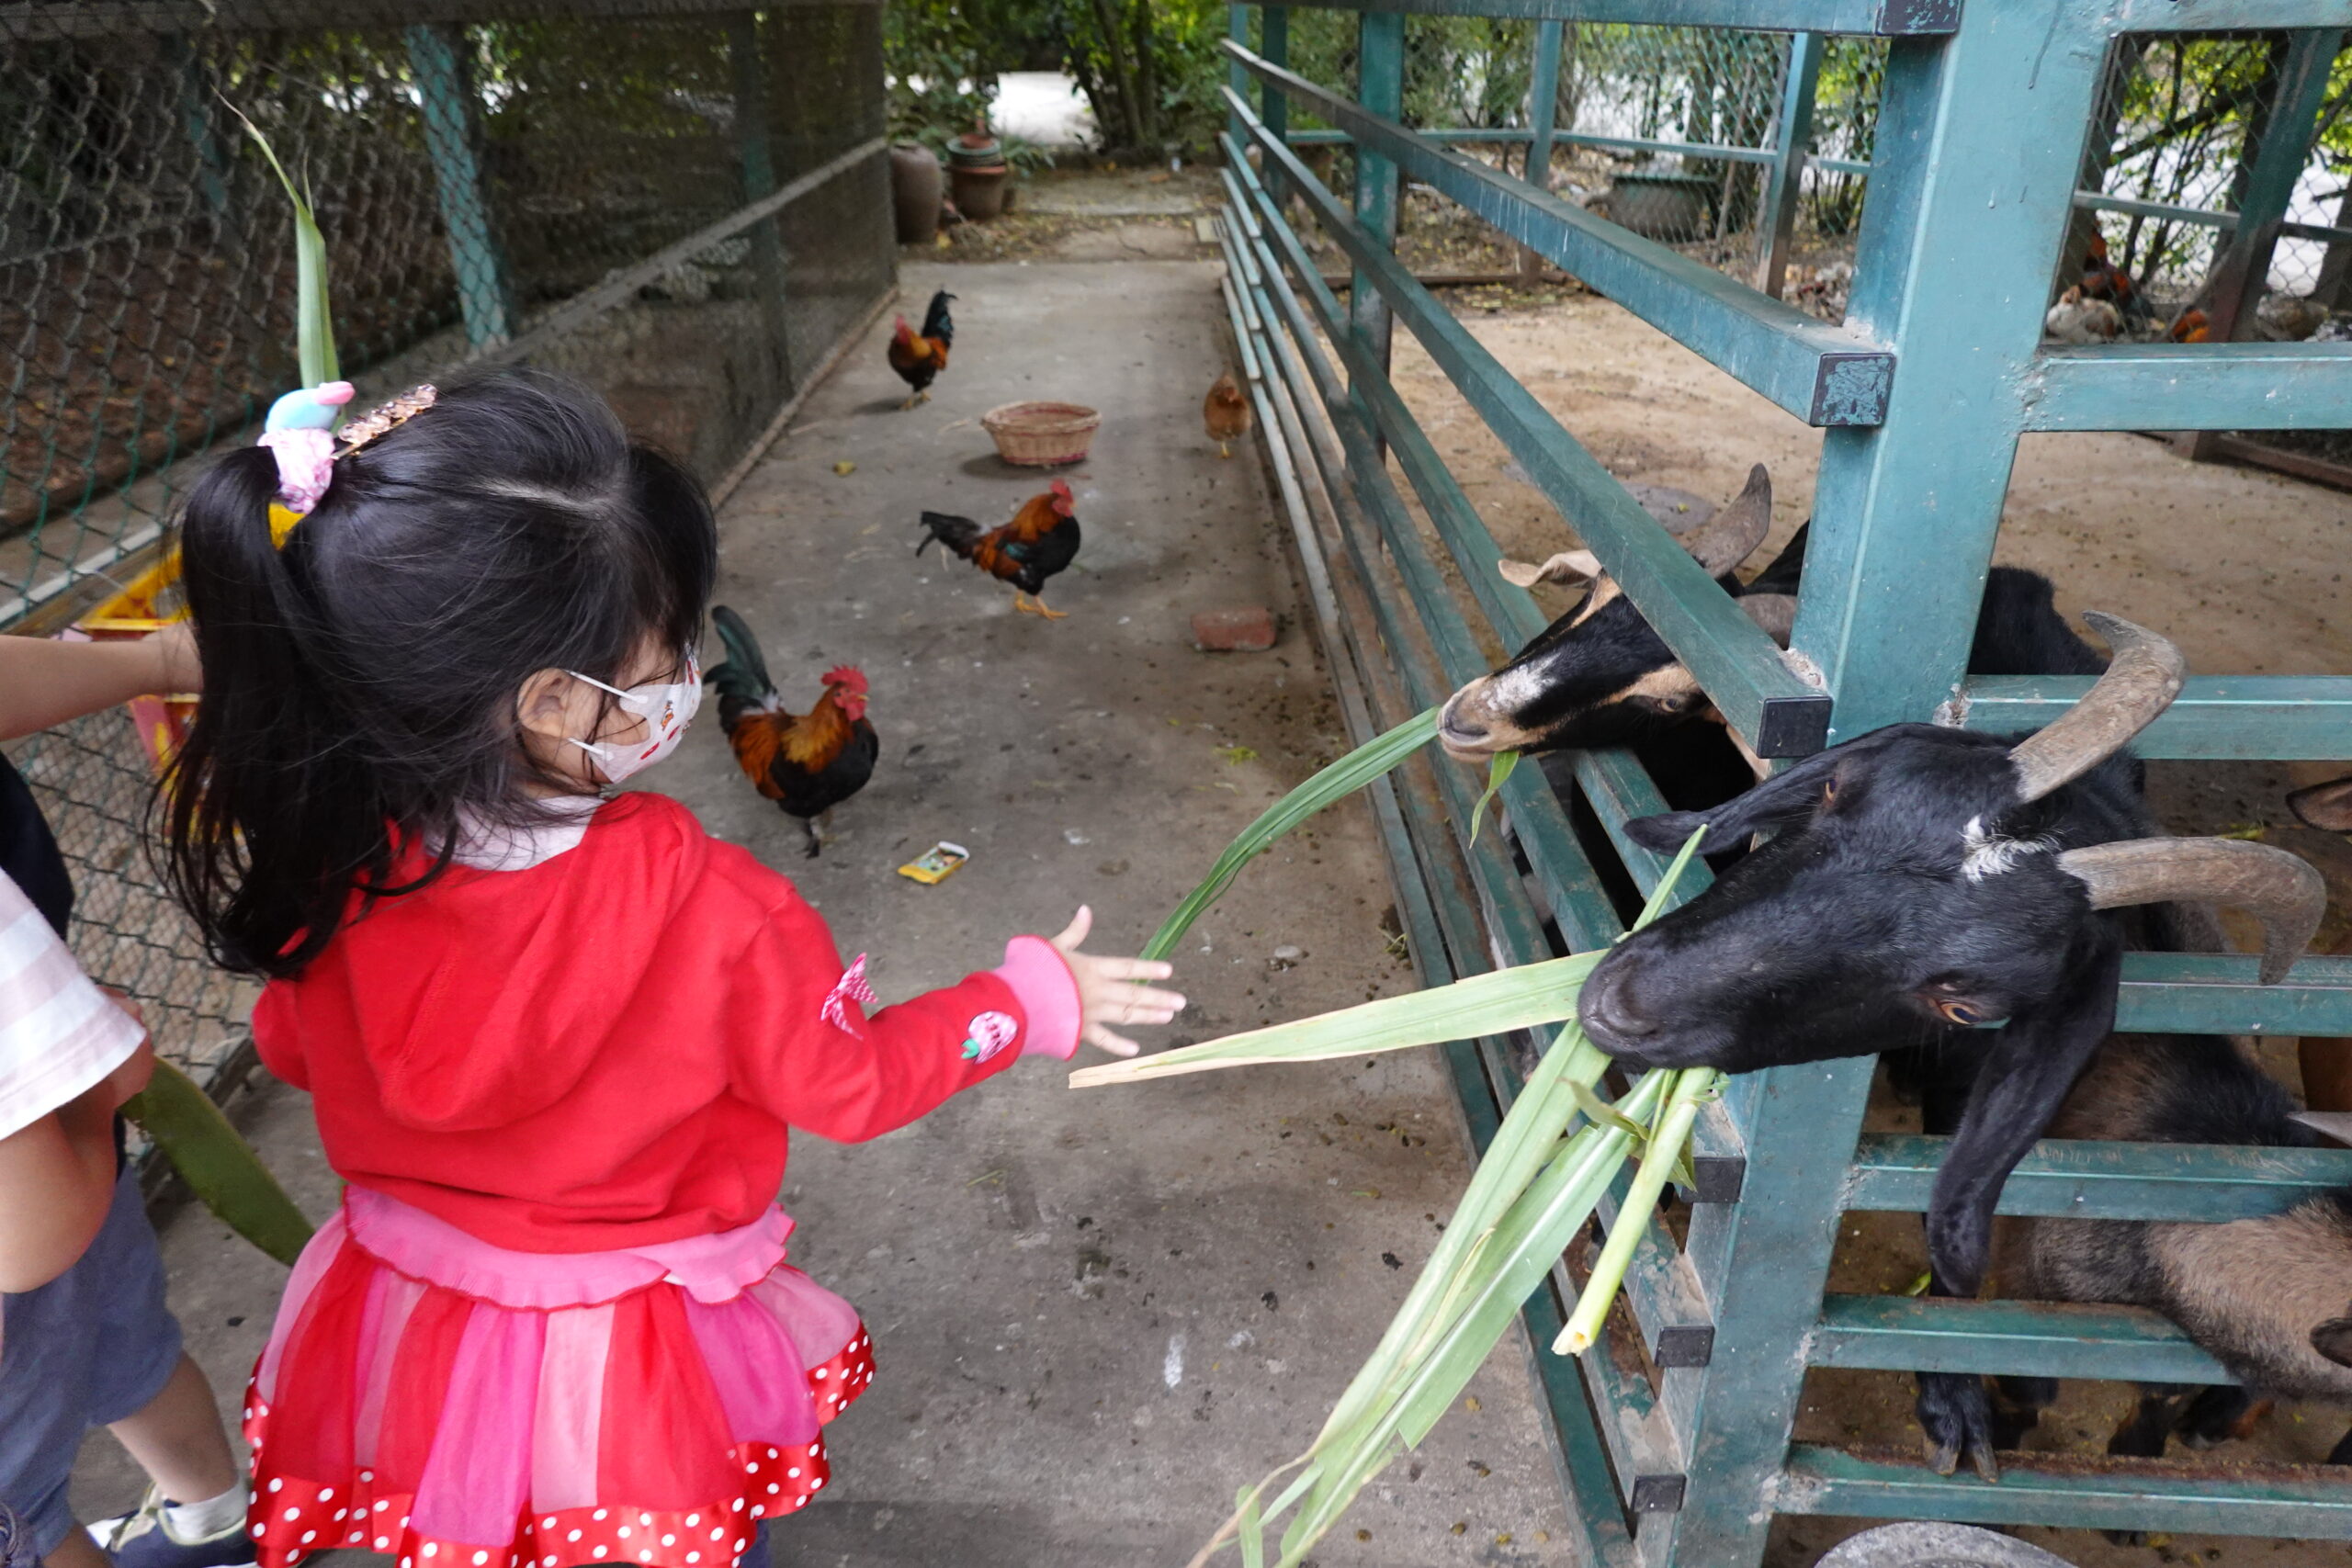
(936, 863)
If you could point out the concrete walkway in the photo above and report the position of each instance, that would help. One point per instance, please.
(1096, 1313)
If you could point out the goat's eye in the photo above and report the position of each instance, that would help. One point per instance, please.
(1960, 1012)
(1830, 793)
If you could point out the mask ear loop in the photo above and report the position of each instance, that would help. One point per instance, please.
(597, 749)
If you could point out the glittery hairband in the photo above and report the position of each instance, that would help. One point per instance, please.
(299, 432)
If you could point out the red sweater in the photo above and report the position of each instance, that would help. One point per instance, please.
(605, 1049)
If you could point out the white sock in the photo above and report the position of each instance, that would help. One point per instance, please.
(191, 1522)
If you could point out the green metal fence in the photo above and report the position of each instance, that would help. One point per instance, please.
(683, 202)
(1674, 1443)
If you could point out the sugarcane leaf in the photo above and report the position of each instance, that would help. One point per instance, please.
(313, 325)
(1601, 1113)
(1499, 768)
(1492, 1003)
(1253, 1530)
(1662, 897)
(1368, 762)
(217, 1163)
(1638, 1209)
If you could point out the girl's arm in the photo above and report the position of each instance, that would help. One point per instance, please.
(807, 1051)
(44, 682)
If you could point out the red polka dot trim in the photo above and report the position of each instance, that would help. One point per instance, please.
(291, 1517)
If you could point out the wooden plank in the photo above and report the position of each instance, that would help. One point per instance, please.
(2307, 1502)
(1824, 375)
(1737, 664)
(2191, 386)
(1885, 17)
(2062, 1178)
(2020, 1339)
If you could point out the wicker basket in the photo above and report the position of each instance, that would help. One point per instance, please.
(1041, 435)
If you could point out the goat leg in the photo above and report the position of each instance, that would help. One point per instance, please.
(2029, 1069)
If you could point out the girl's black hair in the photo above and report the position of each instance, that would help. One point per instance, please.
(360, 683)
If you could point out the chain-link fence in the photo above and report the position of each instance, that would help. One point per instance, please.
(684, 205)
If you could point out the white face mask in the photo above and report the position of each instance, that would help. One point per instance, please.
(666, 706)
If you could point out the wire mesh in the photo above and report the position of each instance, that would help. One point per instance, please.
(495, 181)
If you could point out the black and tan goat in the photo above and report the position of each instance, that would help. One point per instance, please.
(2269, 1297)
(1601, 676)
(1921, 881)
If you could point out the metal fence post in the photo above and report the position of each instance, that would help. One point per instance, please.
(1380, 87)
(1967, 209)
(1543, 112)
(1236, 28)
(757, 153)
(1273, 46)
(2266, 184)
(1785, 182)
(445, 95)
(198, 101)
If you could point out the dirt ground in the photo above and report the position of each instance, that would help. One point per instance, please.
(2244, 568)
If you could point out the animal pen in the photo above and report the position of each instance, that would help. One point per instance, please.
(683, 203)
(1674, 1437)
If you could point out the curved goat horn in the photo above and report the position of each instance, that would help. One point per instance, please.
(2283, 890)
(1776, 613)
(1731, 536)
(2142, 680)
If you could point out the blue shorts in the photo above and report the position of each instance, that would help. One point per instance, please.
(91, 1346)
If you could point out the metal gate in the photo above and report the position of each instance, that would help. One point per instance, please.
(1678, 1450)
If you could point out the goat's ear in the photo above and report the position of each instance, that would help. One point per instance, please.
(1776, 802)
(2333, 1339)
(2327, 807)
(1568, 566)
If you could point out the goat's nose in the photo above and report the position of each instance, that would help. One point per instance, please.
(1607, 1008)
(1457, 728)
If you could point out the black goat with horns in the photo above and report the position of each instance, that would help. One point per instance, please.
(1921, 881)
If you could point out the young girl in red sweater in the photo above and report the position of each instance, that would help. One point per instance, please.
(554, 1042)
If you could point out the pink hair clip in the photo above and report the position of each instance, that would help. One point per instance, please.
(300, 432)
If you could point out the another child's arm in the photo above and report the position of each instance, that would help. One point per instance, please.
(806, 1050)
(68, 1059)
(45, 681)
(57, 1179)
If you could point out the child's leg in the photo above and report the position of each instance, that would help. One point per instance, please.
(76, 1550)
(177, 1440)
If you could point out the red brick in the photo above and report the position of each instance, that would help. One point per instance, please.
(1234, 631)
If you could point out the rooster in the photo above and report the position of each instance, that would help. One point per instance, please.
(2190, 326)
(1226, 412)
(919, 356)
(1040, 541)
(808, 764)
(2102, 279)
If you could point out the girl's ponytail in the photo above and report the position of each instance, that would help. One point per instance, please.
(264, 798)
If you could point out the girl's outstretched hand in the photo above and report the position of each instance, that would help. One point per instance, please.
(1104, 996)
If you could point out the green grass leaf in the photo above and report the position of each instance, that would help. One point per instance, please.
(217, 1163)
(1342, 778)
(1499, 768)
(1523, 998)
(313, 322)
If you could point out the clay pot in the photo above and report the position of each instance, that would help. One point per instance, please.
(979, 193)
(914, 191)
(974, 150)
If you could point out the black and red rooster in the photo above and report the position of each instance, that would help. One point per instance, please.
(808, 764)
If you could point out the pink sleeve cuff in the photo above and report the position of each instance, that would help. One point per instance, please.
(1041, 982)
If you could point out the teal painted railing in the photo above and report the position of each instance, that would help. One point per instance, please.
(1922, 398)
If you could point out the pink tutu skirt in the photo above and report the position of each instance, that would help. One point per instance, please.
(460, 1405)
